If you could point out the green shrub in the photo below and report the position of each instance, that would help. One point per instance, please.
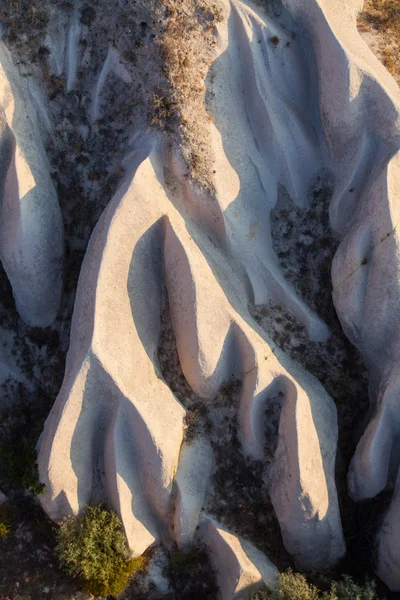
(346, 589)
(182, 560)
(294, 586)
(4, 529)
(191, 575)
(94, 548)
(20, 466)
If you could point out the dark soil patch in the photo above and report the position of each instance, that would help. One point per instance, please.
(305, 246)
(28, 570)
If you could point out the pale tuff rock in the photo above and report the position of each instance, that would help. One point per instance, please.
(211, 350)
(31, 228)
(288, 97)
(192, 480)
(239, 565)
(122, 276)
(123, 423)
(311, 530)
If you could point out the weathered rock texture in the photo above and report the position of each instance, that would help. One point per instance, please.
(292, 92)
(123, 421)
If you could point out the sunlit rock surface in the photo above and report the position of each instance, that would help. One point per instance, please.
(31, 228)
(292, 93)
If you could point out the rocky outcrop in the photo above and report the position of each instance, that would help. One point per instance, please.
(31, 228)
(360, 104)
(289, 97)
(113, 384)
(192, 480)
(303, 502)
(115, 422)
(240, 567)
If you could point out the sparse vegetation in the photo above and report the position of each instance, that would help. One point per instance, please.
(182, 560)
(186, 38)
(4, 528)
(294, 586)
(27, 565)
(305, 247)
(94, 548)
(195, 422)
(22, 16)
(19, 463)
(384, 14)
(191, 575)
(382, 17)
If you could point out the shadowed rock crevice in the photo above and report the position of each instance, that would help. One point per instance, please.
(238, 498)
(305, 245)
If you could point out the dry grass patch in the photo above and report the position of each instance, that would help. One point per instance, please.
(381, 18)
(187, 40)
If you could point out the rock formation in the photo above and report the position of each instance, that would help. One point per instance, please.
(292, 95)
(116, 325)
(239, 565)
(31, 228)
(360, 107)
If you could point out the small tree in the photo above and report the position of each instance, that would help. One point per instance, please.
(94, 548)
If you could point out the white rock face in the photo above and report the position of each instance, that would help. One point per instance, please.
(31, 228)
(192, 480)
(115, 414)
(306, 449)
(239, 565)
(283, 111)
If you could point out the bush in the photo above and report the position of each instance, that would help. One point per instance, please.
(294, 586)
(191, 575)
(182, 560)
(348, 590)
(94, 548)
(20, 467)
(4, 529)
